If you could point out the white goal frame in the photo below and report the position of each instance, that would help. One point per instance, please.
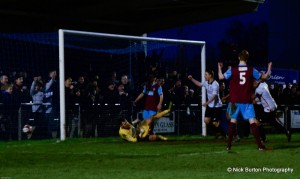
(63, 32)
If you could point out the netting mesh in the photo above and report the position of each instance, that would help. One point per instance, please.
(102, 78)
(31, 52)
(23, 57)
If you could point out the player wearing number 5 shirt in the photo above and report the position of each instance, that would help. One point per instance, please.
(241, 84)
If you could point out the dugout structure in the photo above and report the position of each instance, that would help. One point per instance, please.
(124, 47)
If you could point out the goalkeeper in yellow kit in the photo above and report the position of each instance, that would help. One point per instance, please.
(133, 134)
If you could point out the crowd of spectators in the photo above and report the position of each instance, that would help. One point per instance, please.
(103, 102)
(288, 94)
(100, 102)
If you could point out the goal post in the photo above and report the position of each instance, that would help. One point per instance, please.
(62, 33)
(62, 85)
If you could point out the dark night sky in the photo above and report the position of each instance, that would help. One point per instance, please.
(271, 33)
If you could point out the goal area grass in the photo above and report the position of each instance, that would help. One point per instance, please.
(179, 157)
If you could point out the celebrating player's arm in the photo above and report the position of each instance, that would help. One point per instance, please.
(199, 84)
(196, 82)
(220, 73)
(266, 75)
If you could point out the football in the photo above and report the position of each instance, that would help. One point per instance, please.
(27, 129)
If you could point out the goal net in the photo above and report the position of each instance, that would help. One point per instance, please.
(97, 77)
(103, 60)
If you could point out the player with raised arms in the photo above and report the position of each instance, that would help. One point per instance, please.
(241, 86)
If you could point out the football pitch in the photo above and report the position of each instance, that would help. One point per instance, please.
(179, 157)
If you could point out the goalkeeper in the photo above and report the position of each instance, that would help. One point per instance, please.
(141, 133)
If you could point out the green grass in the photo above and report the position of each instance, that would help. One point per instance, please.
(180, 157)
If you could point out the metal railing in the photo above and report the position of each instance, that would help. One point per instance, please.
(180, 115)
(186, 118)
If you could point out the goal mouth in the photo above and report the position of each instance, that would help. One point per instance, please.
(89, 64)
(135, 56)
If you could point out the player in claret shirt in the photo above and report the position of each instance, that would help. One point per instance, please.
(241, 86)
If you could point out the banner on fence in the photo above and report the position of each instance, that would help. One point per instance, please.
(165, 124)
(282, 76)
